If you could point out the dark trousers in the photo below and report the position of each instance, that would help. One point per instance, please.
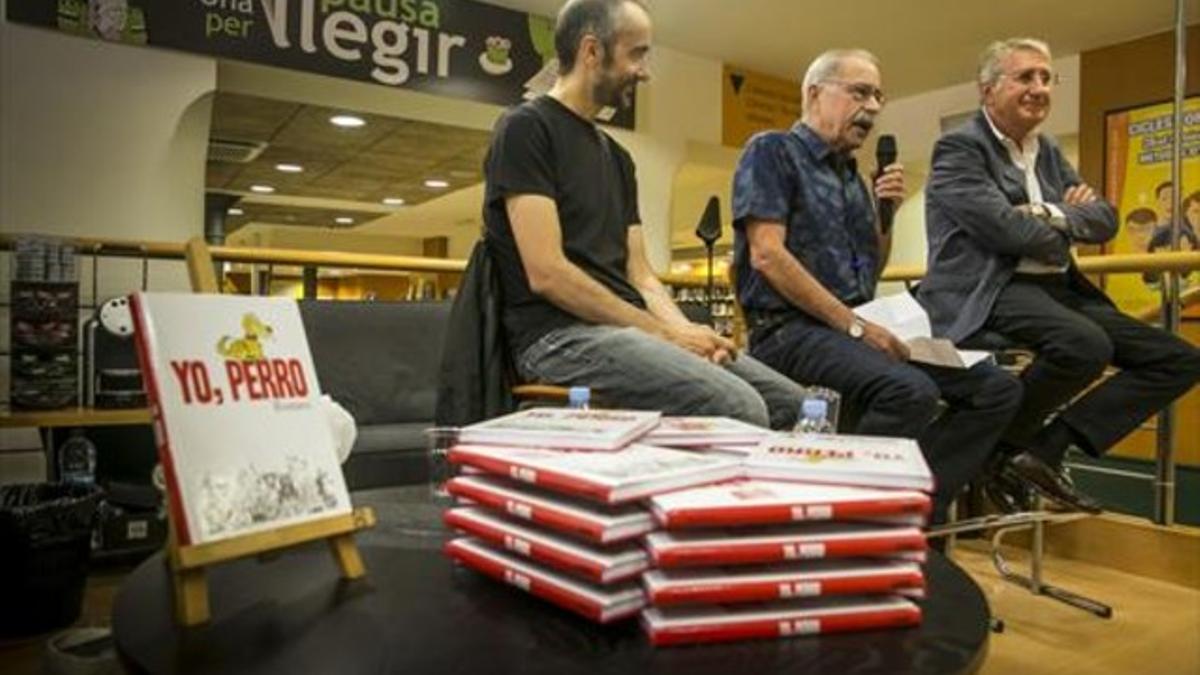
(884, 397)
(1076, 334)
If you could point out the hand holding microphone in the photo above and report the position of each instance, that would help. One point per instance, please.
(889, 181)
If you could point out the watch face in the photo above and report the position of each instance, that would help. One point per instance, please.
(856, 329)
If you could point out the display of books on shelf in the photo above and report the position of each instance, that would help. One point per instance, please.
(762, 502)
(241, 432)
(783, 619)
(763, 583)
(598, 603)
(572, 428)
(683, 432)
(634, 472)
(754, 545)
(600, 565)
(864, 461)
(595, 522)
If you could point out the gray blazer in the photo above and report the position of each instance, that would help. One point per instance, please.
(976, 236)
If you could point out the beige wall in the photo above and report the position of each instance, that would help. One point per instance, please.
(104, 140)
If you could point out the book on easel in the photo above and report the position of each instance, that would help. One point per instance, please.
(249, 458)
(576, 429)
(628, 474)
(591, 521)
(241, 435)
(764, 502)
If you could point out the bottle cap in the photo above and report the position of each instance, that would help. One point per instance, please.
(578, 396)
(814, 408)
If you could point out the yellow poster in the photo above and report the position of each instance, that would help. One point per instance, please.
(752, 102)
(1138, 147)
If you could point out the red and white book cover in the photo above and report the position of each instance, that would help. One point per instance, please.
(594, 522)
(863, 461)
(634, 472)
(244, 442)
(784, 543)
(786, 581)
(586, 429)
(688, 432)
(600, 565)
(667, 626)
(764, 502)
(601, 604)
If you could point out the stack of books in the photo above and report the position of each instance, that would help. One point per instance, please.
(561, 523)
(755, 558)
(743, 534)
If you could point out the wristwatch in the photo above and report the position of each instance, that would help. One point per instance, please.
(856, 328)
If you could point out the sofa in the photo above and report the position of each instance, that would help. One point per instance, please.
(380, 361)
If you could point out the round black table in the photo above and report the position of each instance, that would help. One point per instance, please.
(417, 613)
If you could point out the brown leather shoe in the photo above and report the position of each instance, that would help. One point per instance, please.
(1051, 483)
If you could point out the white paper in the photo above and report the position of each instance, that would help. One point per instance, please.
(904, 317)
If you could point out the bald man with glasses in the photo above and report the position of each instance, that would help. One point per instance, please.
(808, 248)
(1002, 209)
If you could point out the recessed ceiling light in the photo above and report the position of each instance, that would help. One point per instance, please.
(344, 220)
(436, 184)
(393, 201)
(347, 121)
(235, 211)
(262, 189)
(289, 168)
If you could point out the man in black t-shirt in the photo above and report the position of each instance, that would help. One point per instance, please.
(582, 305)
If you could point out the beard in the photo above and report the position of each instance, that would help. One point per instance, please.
(614, 91)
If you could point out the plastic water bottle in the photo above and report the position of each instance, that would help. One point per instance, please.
(814, 417)
(579, 398)
(77, 460)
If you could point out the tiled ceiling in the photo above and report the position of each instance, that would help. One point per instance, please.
(354, 169)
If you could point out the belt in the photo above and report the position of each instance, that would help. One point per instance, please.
(761, 323)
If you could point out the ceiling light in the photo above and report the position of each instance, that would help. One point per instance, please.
(344, 220)
(436, 184)
(289, 168)
(393, 201)
(347, 121)
(262, 189)
(235, 211)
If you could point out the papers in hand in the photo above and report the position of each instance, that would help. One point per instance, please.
(907, 320)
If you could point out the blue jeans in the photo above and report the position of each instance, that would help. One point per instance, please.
(884, 397)
(628, 368)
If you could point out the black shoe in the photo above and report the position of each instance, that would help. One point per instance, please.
(1051, 483)
(1008, 492)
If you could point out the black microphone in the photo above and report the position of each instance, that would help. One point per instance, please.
(709, 227)
(885, 154)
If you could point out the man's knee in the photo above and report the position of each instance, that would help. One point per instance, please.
(999, 392)
(1086, 351)
(908, 392)
(746, 406)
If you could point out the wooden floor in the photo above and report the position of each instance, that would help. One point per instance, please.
(1155, 629)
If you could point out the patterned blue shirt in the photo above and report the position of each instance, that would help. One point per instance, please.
(795, 178)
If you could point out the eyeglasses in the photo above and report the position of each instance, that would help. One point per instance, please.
(1026, 78)
(860, 91)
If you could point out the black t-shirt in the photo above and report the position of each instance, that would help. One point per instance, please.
(543, 148)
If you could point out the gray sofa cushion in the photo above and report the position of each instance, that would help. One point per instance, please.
(378, 359)
(388, 437)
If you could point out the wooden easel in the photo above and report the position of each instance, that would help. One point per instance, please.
(188, 563)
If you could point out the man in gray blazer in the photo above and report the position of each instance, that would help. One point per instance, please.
(1003, 208)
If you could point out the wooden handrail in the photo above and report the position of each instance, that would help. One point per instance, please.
(1093, 264)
